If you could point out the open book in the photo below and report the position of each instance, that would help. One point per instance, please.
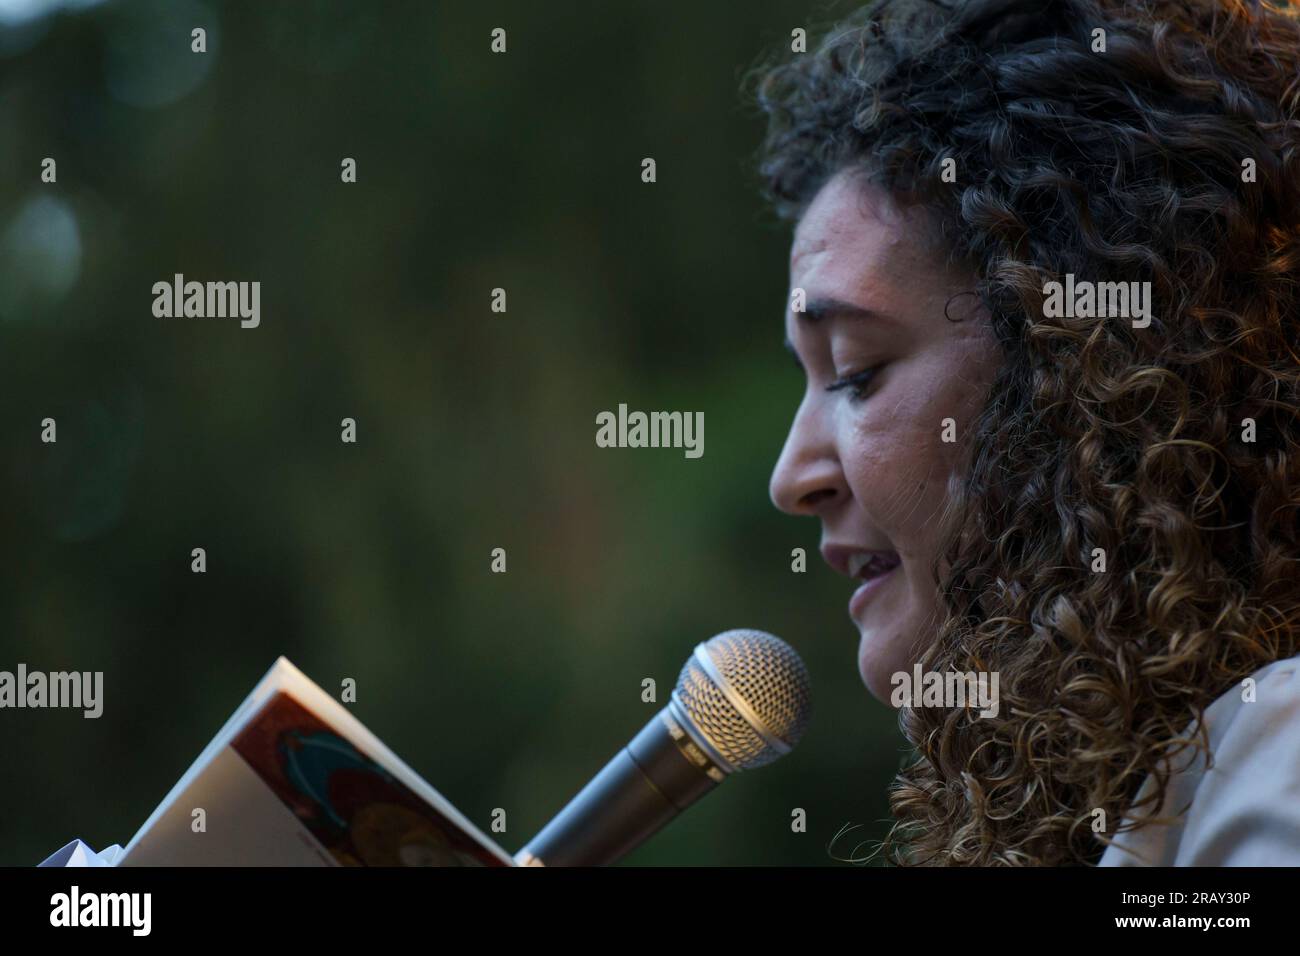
(293, 779)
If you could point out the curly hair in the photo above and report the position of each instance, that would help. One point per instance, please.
(1142, 141)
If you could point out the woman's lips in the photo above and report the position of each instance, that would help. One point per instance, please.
(873, 566)
(868, 590)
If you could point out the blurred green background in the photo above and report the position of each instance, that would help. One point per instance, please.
(475, 430)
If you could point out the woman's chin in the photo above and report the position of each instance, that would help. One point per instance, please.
(877, 663)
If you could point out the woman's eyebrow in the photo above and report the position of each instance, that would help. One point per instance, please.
(824, 307)
(830, 308)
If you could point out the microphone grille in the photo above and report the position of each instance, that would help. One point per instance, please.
(756, 703)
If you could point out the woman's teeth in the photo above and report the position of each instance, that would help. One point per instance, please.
(869, 564)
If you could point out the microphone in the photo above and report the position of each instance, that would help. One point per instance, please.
(742, 700)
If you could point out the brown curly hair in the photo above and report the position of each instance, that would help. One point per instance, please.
(1169, 157)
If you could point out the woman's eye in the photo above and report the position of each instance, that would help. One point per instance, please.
(858, 381)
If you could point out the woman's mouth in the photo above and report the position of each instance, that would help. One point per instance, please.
(874, 568)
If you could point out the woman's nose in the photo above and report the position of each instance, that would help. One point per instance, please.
(807, 477)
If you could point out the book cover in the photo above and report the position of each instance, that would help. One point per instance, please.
(294, 779)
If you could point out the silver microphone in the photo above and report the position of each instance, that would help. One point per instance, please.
(741, 701)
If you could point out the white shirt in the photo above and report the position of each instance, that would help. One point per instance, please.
(1245, 809)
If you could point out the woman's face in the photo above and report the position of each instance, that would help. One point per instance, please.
(885, 370)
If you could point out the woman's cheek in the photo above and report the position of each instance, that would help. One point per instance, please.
(890, 465)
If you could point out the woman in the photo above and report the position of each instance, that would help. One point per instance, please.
(1044, 292)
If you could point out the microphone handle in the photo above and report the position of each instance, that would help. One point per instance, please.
(642, 788)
